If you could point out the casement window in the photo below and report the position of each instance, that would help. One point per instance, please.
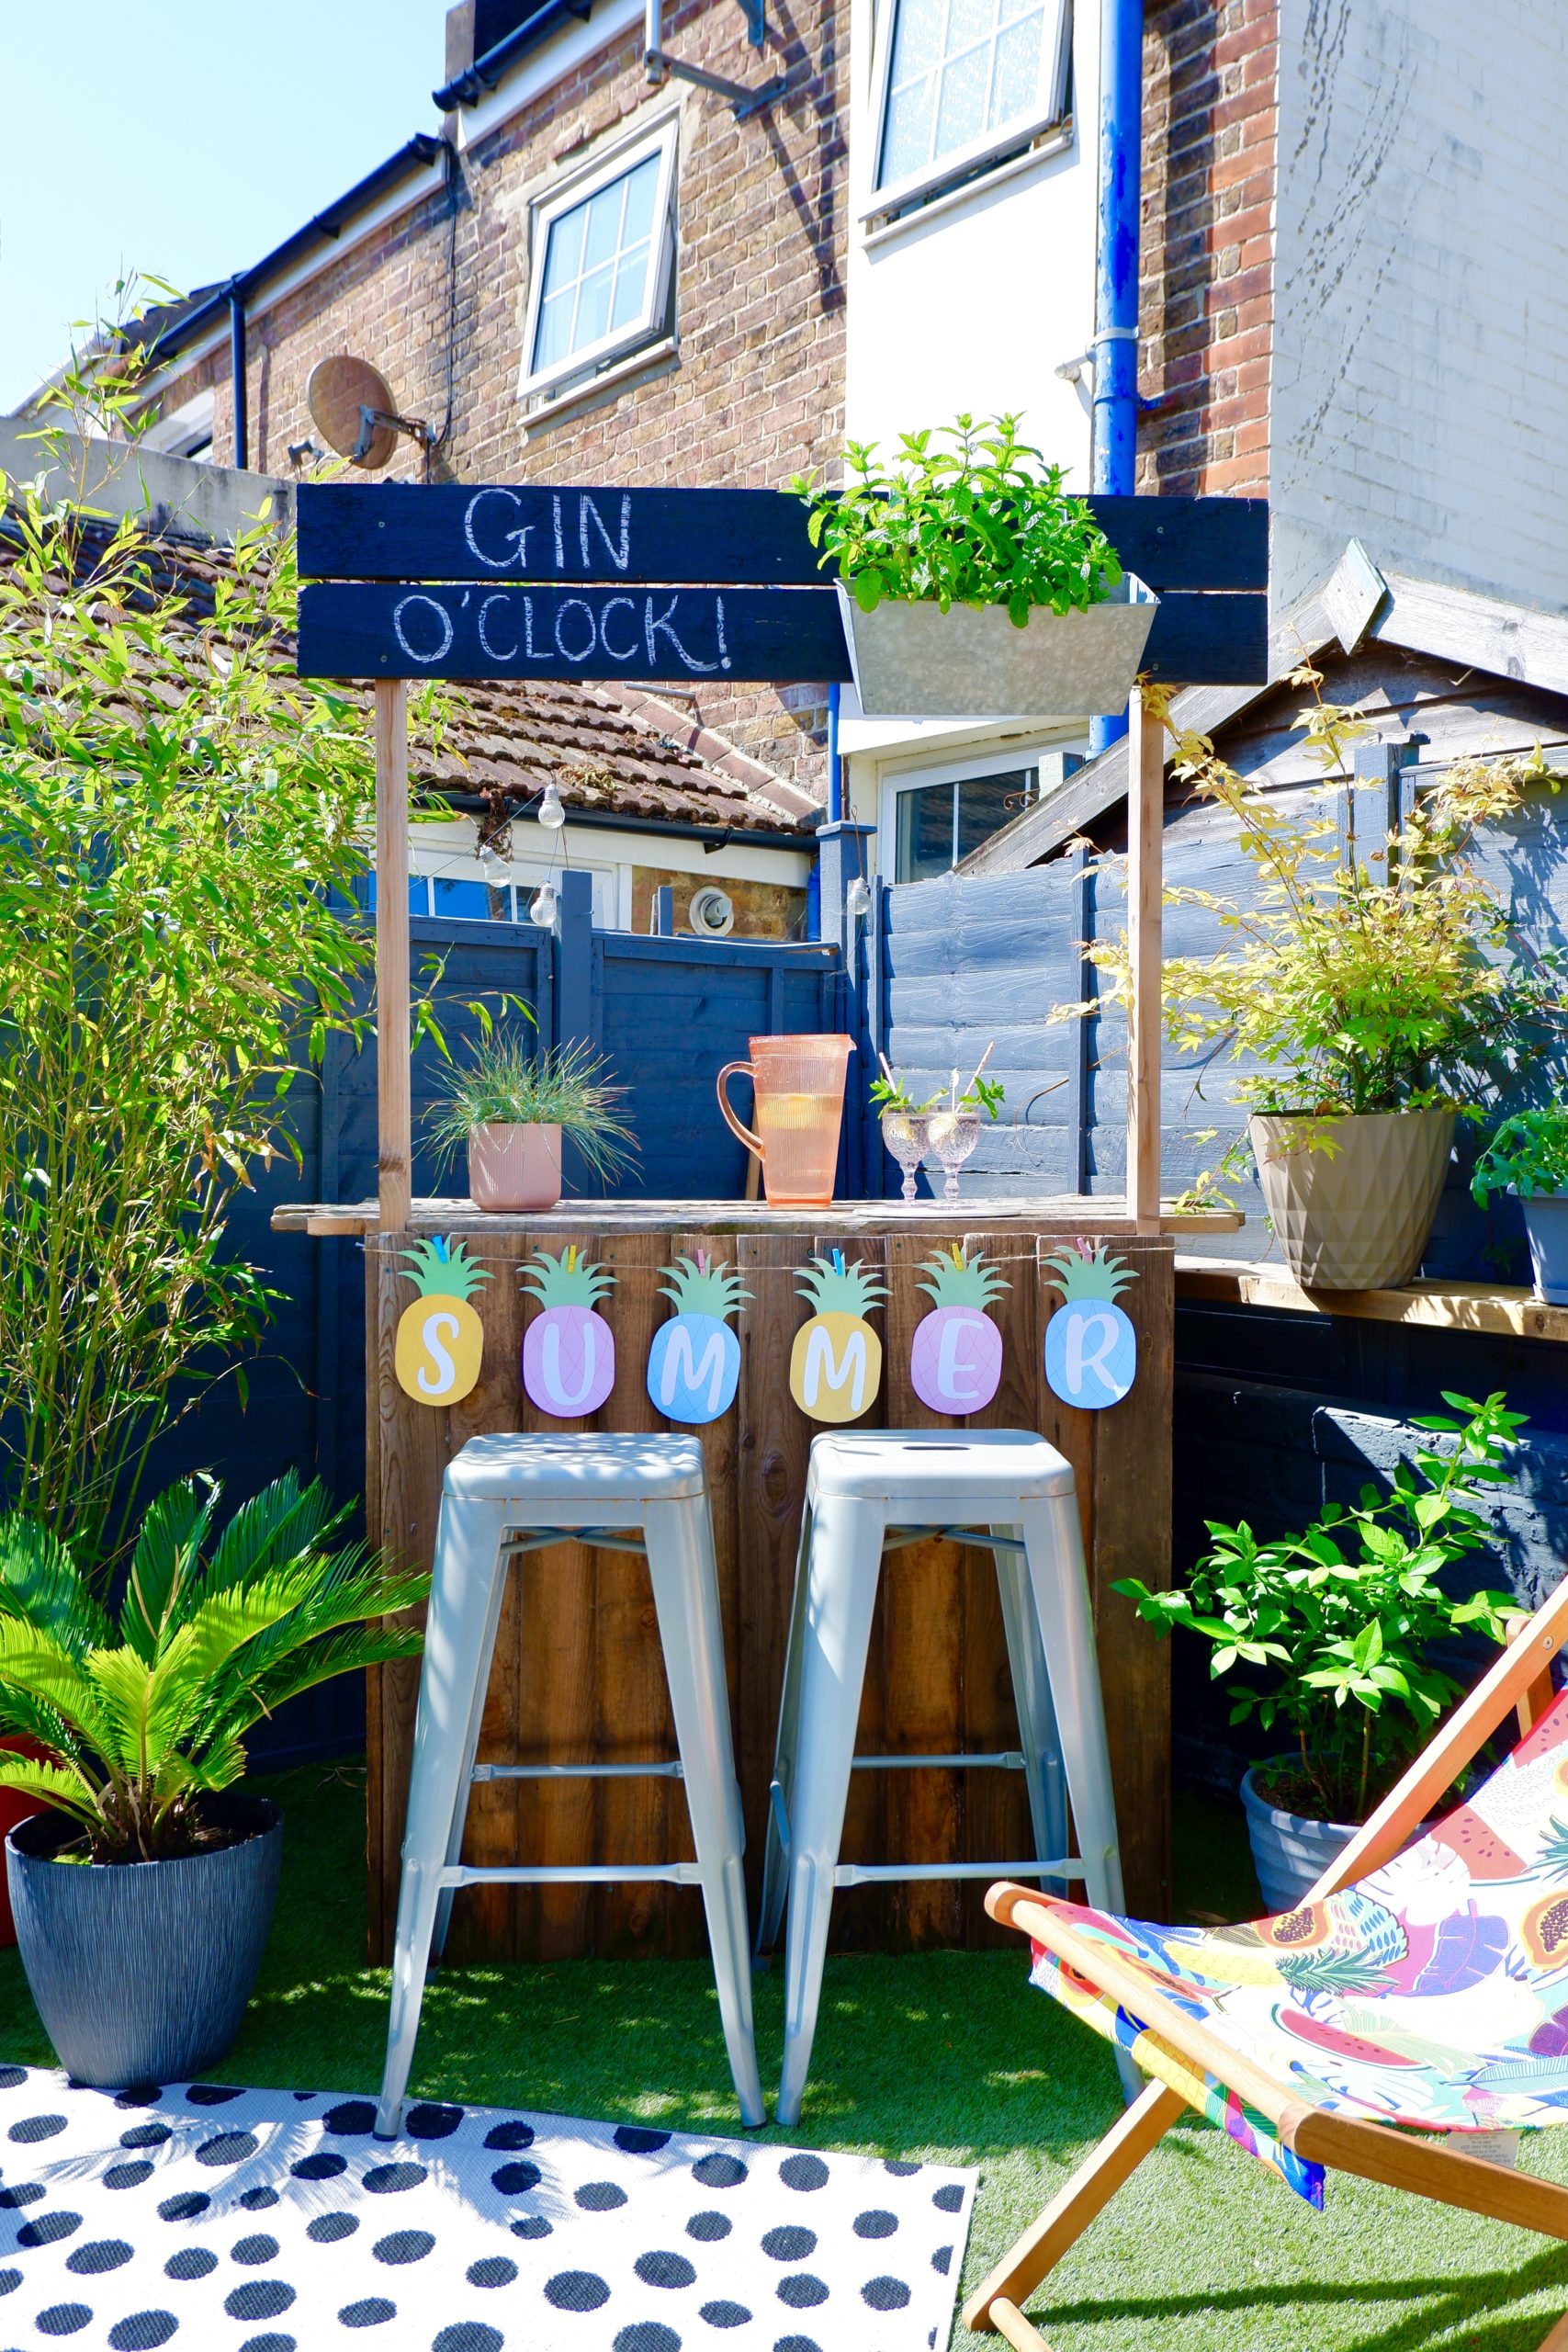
(932, 818)
(959, 82)
(601, 266)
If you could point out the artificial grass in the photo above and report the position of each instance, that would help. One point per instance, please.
(942, 2056)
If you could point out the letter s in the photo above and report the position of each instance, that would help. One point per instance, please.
(446, 1370)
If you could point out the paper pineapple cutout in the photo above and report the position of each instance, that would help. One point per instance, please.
(569, 1351)
(955, 1358)
(835, 1365)
(1091, 1349)
(694, 1362)
(440, 1339)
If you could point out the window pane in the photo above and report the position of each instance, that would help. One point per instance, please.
(596, 267)
(987, 803)
(631, 277)
(564, 259)
(604, 226)
(470, 901)
(641, 187)
(907, 144)
(924, 845)
(1017, 73)
(961, 113)
(969, 21)
(959, 69)
(592, 308)
(419, 894)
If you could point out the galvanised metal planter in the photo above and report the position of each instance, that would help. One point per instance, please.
(910, 659)
(141, 1971)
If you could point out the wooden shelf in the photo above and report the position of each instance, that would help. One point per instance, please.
(1067, 1213)
(1444, 1306)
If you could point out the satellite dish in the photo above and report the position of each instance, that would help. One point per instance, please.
(352, 409)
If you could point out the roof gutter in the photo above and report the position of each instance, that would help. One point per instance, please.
(711, 837)
(477, 81)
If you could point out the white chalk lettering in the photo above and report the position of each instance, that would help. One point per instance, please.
(406, 604)
(614, 652)
(494, 652)
(514, 543)
(619, 555)
(664, 626)
(528, 652)
(718, 619)
(561, 543)
(575, 605)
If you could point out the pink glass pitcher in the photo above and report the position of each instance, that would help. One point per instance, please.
(799, 1090)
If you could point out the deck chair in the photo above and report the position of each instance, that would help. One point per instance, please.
(1420, 1988)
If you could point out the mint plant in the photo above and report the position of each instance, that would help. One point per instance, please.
(1528, 1155)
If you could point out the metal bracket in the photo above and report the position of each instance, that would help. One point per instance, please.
(744, 102)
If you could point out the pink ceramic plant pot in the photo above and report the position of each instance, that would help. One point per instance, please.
(511, 1169)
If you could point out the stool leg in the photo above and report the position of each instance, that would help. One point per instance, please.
(678, 1540)
(775, 1869)
(842, 1575)
(470, 1749)
(456, 1664)
(1036, 1716)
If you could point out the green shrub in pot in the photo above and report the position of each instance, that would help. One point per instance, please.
(1527, 1156)
(1342, 1620)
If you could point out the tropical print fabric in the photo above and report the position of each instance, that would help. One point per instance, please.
(1432, 1993)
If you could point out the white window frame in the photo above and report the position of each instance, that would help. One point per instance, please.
(1050, 108)
(186, 430)
(998, 762)
(565, 197)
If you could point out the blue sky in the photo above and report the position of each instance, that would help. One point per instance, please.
(186, 139)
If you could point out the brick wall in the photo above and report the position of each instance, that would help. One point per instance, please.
(756, 389)
(1206, 293)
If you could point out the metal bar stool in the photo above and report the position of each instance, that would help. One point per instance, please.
(1005, 1491)
(503, 1498)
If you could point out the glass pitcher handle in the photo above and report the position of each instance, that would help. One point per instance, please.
(739, 1069)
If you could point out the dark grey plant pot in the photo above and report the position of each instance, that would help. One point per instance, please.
(1546, 1222)
(141, 1971)
(1289, 1851)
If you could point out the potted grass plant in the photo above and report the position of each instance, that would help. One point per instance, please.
(143, 1893)
(513, 1109)
(1527, 1156)
(1343, 1620)
(971, 583)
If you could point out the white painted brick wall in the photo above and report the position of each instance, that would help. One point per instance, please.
(1420, 390)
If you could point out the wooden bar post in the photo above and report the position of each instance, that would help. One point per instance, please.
(1146, 821)
(394, 1092)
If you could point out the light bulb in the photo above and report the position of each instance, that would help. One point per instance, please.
(857, 898)
(542, 906)
(492, 865)
(552, 816)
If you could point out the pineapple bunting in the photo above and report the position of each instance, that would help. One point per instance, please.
(694, 1365)
(835, 1365)
(568, 1351)
(1091, 1349)
(440, 1339)
(956, 1357)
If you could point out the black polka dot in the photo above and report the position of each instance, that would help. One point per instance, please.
(403, 2246)
(877, 2223)
(942, 2260)
(432, 2123)
(495, 2271)
(328, 2228)
(468, 2335)
(352, 2118)
(706, 2227)
(63, 2319)
(12, 2077)
(719, 2171)
(10, 2281)
(599, 2196)
(191, 2262)
(533, 2225)
(229, 2148)
(511, 2137)
(138, 2095)
(659, 2270)
(790, 2245)
(324, 2165)
(900, 2167)
(386, 2180)
(98, 2254)
(254, 2250)
(39, 2127)
(576, 2290)
(259, 2200)
(145, 2135)
(185, 2207)
(884, 2294)
(259, 2299)
(726, 2314)
(949, 2199)
(142, 2332)
(801, 2291)
(647, 2335)
(23, 2192)
(48, 2229)
(515, 2180)
(803, 2173)
(371, 2313)
(129, 2176)
(639, 2142)
(211, 2094)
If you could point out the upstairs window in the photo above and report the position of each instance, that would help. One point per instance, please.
(961, 82)
(601, 255)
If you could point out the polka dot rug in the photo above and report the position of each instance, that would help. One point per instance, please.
(220, 2219)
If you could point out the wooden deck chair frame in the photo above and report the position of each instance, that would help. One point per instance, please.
(1520, 1679)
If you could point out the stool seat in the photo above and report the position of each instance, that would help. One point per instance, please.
(565, 1468)
(919, 1466)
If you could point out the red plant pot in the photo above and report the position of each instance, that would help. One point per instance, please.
(15, 1808)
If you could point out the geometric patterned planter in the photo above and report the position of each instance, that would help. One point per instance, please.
(1355, 1217)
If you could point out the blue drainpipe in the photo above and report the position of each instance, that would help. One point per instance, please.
(1114, 428)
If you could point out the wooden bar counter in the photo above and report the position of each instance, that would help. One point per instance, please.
(578, 1676)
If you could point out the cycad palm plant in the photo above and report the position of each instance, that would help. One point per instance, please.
(143, 1716)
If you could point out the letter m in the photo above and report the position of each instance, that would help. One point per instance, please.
(679, 1366)
(822, 1366)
